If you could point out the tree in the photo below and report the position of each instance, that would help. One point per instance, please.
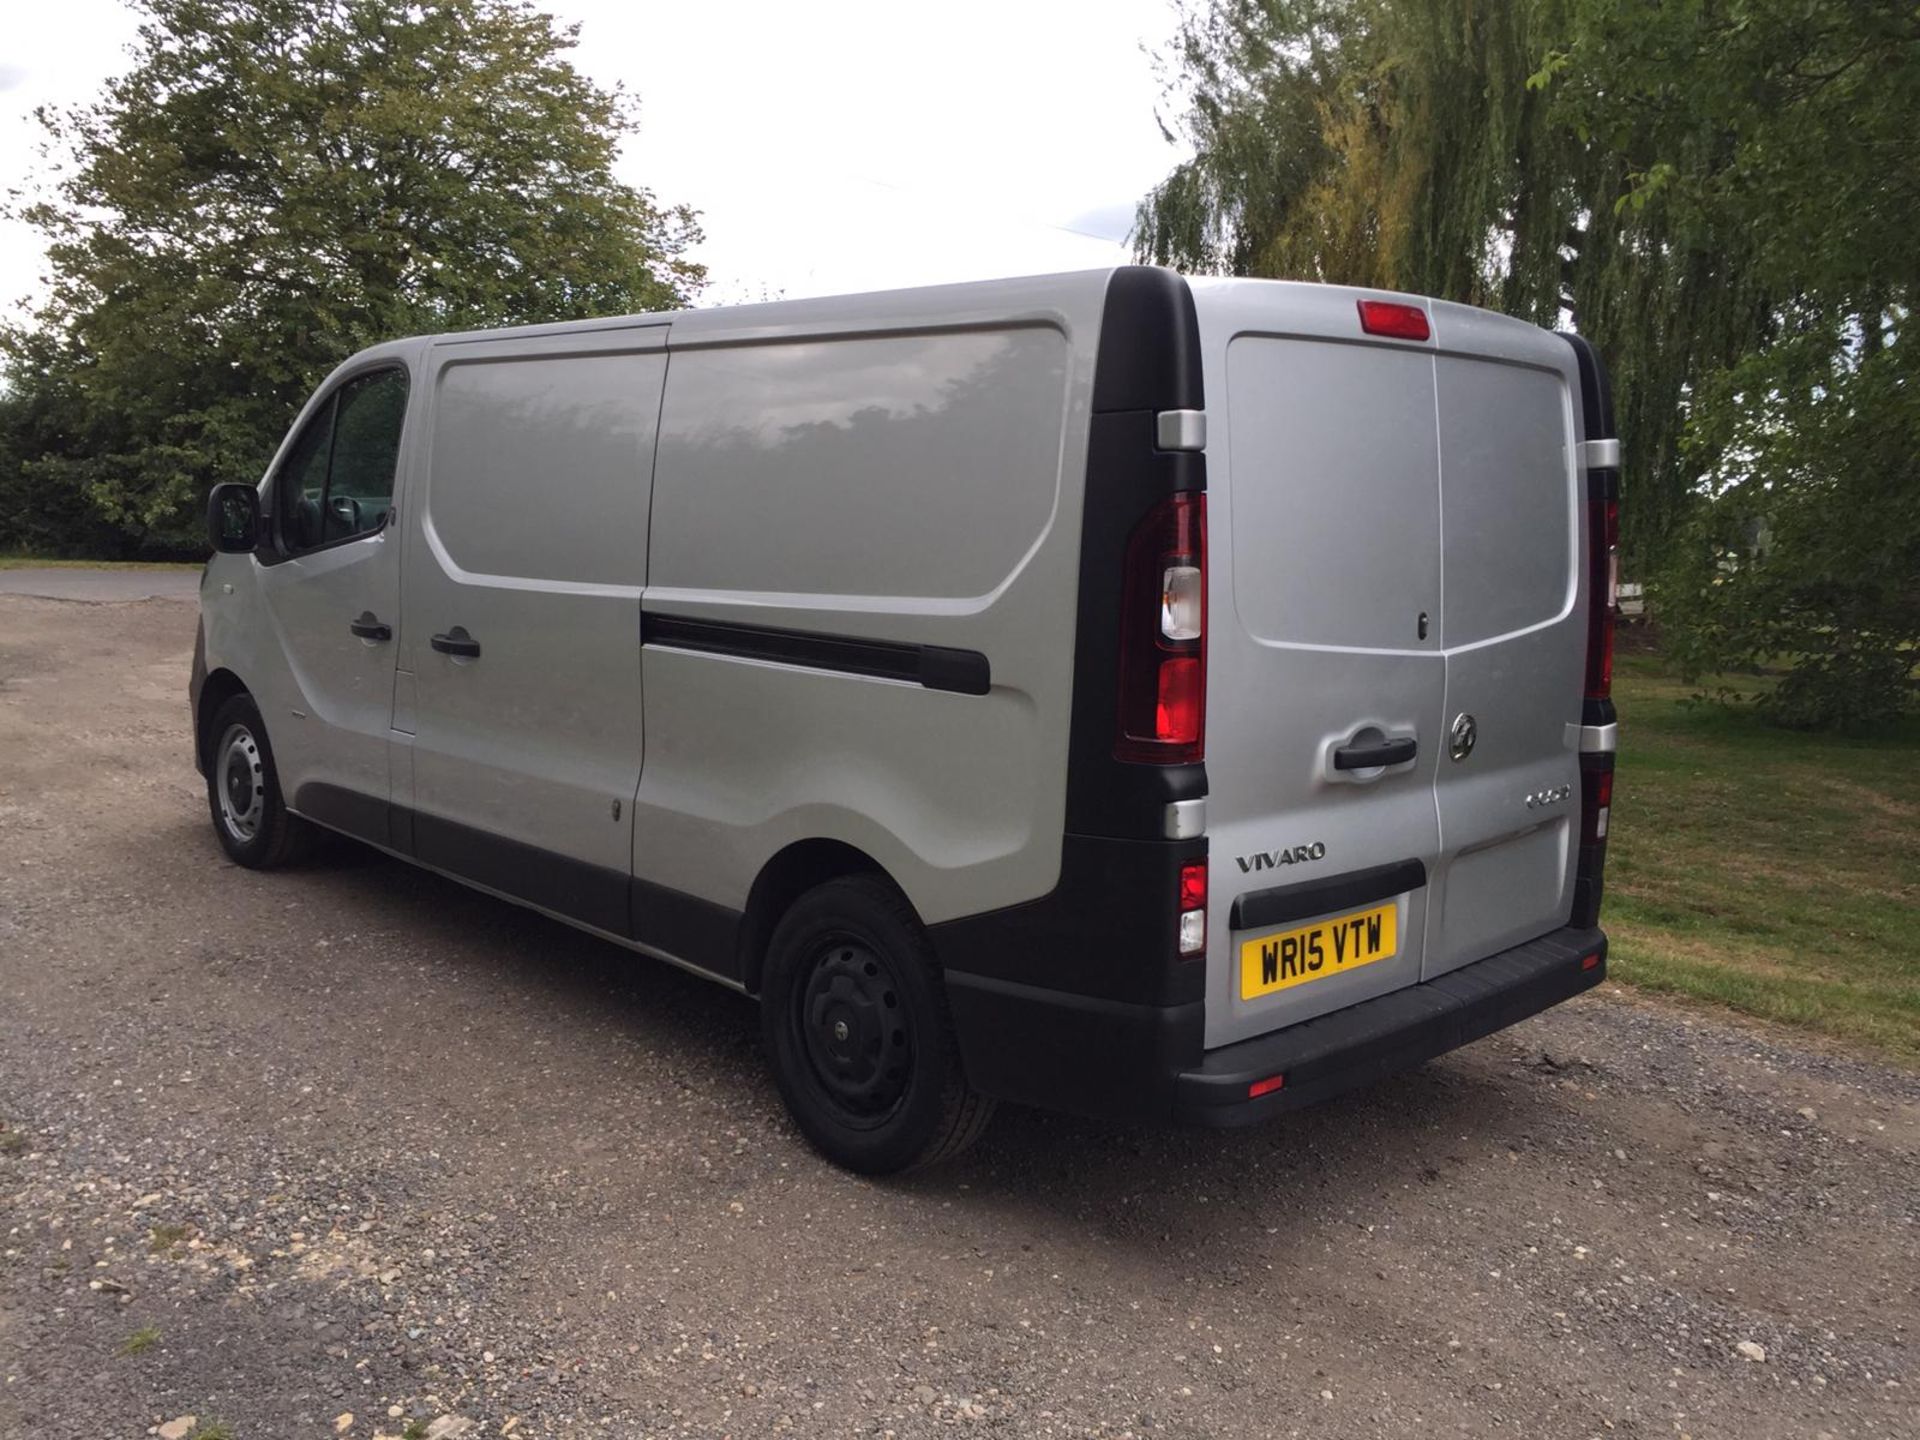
(1421, 145)
(1810, 546)
(1722, 194)
(277, 183)
(1787, 128)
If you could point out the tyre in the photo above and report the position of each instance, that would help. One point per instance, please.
(243, 790)
(854, 1012)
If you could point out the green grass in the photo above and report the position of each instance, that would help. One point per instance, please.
(141, 1340)
(1773, 872)
(35, 562)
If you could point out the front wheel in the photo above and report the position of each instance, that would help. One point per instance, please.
(243, 790)
(855, 1017)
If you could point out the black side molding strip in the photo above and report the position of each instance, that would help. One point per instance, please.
(1258, 909)
(937, 667)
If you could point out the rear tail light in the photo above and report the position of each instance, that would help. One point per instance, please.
(1193, 908)
(1163, 635)
(1182, 603)
(1596, 809)
(1596, 802)
(1603, 609)
(1604, 563)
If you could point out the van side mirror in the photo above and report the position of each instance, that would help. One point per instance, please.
(233, 518)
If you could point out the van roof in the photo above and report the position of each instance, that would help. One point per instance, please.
(1031, 297)
(1055, 299)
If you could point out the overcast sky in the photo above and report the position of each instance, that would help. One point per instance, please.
(830, 146)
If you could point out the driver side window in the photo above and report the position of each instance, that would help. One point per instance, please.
(337, 480)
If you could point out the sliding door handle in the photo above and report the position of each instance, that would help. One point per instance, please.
(457, 642)
(367, 627)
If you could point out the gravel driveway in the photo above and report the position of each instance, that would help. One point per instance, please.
(352, 1150)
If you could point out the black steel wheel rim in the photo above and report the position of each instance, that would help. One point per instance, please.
(241, 783)
(854, 1030)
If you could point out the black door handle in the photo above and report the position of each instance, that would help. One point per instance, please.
(457, 642)
(1395, 751)
(367, 627)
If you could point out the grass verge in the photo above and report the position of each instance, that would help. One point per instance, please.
(1773, 872)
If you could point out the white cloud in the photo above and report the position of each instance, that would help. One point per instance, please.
(870, 143)
(851, 145)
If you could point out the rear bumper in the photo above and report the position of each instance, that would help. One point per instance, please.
(1144, 1062)
(1335, 1053)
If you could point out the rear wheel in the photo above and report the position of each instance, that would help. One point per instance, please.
(855, 1017)
(243, 790)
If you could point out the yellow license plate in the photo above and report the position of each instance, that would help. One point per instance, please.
(1313, 952)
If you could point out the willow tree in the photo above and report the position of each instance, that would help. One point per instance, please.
(1427, 145)
(274, 184)
(1781, 140)
(1721, 195)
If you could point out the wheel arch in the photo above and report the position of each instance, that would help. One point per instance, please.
(219, 687)
(788, 875)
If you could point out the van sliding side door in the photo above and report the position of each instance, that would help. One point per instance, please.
(527, 555)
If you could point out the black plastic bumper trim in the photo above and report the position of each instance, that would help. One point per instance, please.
(1335, 1053)
(1258, 909)
(1110, 1059)
(1108, 930)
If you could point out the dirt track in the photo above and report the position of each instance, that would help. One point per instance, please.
(353, 1139)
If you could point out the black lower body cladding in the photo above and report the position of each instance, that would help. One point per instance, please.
(1090, 973)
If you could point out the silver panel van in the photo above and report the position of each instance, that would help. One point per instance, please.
(1165, 699)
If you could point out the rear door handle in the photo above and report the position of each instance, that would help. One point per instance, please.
(1396, 750)
(456, 642)
(367, 627)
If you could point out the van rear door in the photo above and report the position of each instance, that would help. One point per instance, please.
(1394, 533)
(1509, 808)
(1324, 519)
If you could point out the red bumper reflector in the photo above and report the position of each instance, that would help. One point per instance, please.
(1590, 962)
(1265, 1087)
(1399, 322)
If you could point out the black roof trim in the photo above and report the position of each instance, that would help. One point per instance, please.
(1596, 390)
(1149, 343)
